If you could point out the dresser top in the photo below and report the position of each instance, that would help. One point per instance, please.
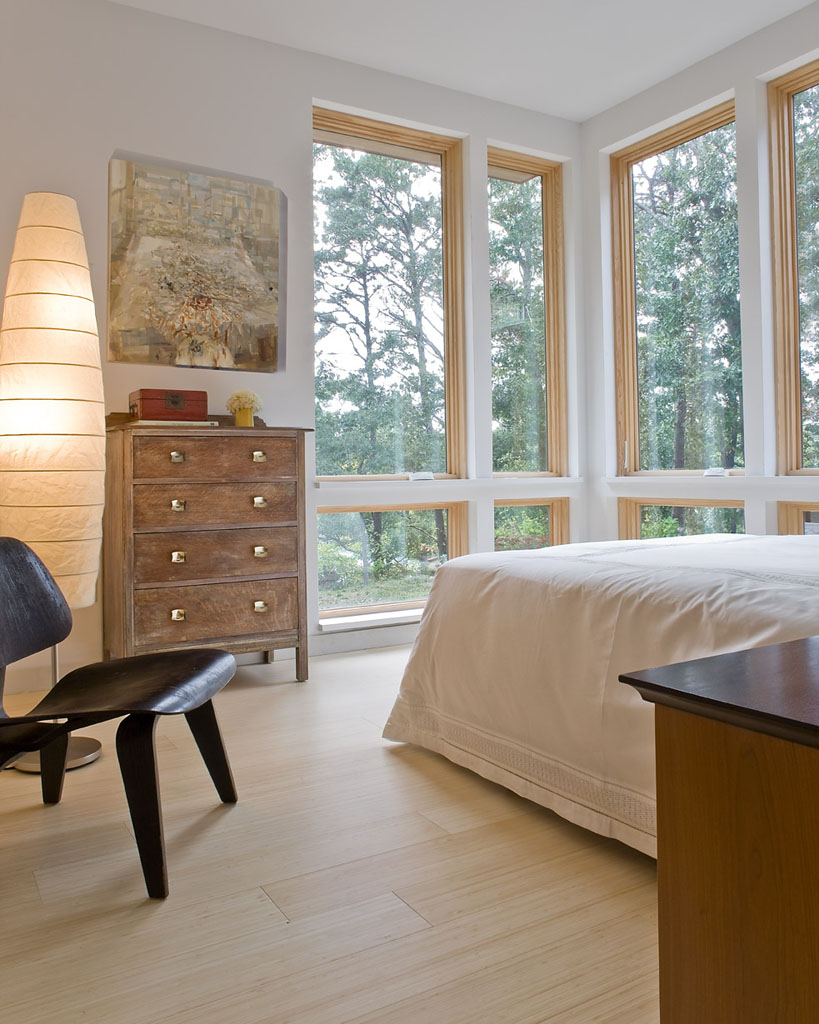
(224, 429)
(773, 689)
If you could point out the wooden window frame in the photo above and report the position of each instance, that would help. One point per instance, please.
(789, 515)
(554, 300)
(625, 314)
(558, 515)
(457, 535)
(450, 151)
(628, 510)
(787, 339)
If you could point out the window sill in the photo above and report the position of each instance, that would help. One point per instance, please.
(347, 623)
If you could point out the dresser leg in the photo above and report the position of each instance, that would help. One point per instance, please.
(269, 656)
(301, 664)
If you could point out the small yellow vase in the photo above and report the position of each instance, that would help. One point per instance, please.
(243, 417)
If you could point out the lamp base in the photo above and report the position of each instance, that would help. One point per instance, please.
(81, 750)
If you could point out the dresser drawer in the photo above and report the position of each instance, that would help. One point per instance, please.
(182, 505)
(213, 611)
(203, 554)
(218, 458)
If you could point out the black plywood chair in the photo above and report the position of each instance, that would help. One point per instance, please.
(35, 616)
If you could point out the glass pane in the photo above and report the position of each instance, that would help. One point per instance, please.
(680, 520)
(372, 558)
(518, 335)
(521, 526)
(686, 260)
(806, 179)
(379, 314)
(810, 522)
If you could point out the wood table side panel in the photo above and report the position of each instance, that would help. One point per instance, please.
(301, 650)
(739, 941)
(115, 553)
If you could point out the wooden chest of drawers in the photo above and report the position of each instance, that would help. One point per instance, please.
(204, 540)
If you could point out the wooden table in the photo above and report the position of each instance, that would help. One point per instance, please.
(737, 749)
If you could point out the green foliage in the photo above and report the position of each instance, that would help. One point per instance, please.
(379, 315)
(806, 167)
(521, 526)
(375, 557)
(518, 338)
(687, 301)
(681, 520)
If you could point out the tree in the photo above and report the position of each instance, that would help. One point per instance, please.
(521, 526)
(806, 161)
(353, 571)
(679, 520)
(518, 340)
(380, 383)
(687, 300)
(380, 404)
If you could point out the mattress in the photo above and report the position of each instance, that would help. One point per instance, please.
(514, 672)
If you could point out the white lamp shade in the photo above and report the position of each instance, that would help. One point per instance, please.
(52, 415)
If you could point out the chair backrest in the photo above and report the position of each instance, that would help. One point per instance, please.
(33, 612)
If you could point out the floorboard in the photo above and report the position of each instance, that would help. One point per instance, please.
(356, 881)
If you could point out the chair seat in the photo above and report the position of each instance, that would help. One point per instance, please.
(169, 683)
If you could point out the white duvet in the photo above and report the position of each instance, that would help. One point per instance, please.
(514, 673)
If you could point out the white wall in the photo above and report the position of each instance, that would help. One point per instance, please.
(740, 72)
(80, 80)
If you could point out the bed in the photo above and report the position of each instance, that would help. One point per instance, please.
(514, 672)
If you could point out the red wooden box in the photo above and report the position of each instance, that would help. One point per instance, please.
(158, 404)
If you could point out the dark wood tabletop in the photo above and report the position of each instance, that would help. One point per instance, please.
(772, 690)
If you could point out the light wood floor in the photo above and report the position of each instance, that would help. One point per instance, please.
(355, 881)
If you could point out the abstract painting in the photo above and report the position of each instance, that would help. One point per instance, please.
(196, 267)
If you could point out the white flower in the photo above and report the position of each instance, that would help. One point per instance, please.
(243, 400)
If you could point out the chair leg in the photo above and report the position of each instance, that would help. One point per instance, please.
(53, 757)
(205, 729)
(137, 762)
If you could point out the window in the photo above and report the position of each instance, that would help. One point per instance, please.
(794, 107)
(642, 518)
(801, 517)
(676, 265)
(526, 296)
(527, 523)
(384, 559)
(388, 300)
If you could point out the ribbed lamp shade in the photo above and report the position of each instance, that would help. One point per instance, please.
(52, 418)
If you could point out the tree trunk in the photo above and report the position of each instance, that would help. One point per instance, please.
(377, 541)
(365, 549)
(441, 534)
(681, 407)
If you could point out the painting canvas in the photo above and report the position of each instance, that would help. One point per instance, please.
(196, 268)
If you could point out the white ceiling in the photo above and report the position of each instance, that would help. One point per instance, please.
(571, 58)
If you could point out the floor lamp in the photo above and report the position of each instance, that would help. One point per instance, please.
(52, 415)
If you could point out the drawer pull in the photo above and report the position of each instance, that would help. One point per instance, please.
(259, 502)
(178, 504)
(178, 614)
(177, 456)
(259, 606)
(260, 456)
(178, 556)
(260, 551)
